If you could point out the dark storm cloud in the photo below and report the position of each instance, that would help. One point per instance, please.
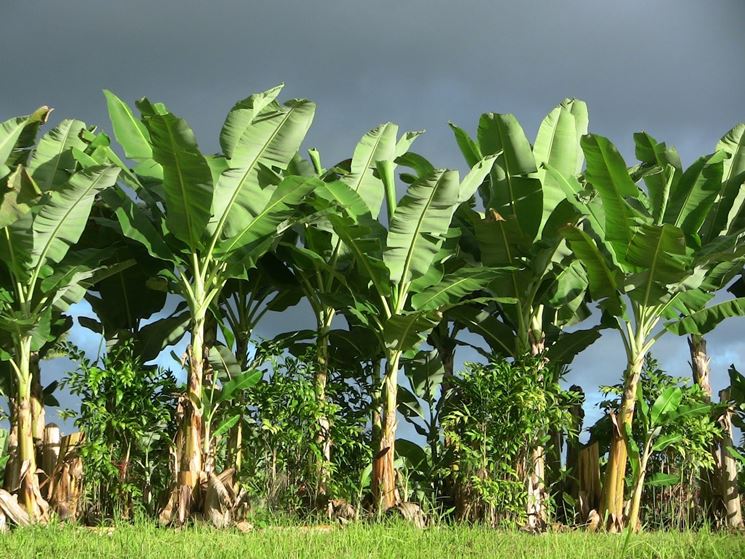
(672, 67)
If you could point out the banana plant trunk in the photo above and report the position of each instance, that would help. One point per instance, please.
(209, 338)
(536, 509)
(28, 490)
(376, 415)
(191, 459)
(700, 363)
(701, 370)
(445, 347)
(323, 438)
(612, 500)
(384, 491)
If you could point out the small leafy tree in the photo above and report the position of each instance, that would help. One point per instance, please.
(491, 413)
(127, 415)
(282, 428)
(666, 411)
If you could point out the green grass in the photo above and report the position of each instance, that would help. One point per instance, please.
(391, 541)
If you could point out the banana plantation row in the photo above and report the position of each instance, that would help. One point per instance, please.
(166, 242)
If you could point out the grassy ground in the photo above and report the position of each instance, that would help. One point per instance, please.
(391, 541)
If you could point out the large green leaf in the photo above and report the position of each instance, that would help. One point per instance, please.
(128, 130)
(137, 224)
(243, 381)
(501, 241)
(603, 280)
(468, 147)
(379, 144)
(412, 452)
(425, 373)
(404, 332)
(159, 334)
(570, 344)
(242, 115)
(19, 196)
(187, 179)
(364, 240)
(659, 252)
(557, 145)
(266, 224)
(705, 320)
(694, 194)
(53, 161)
(223, 362)
(345, 199)
(607, 172)
(515, 188)
(475, 177)
(668, 169)
(16, 138)
(268, 142)
(453, 288)
(732, 202)
(63, 214)
(419, 225)
(592, 210)
(130, 295)
(665, 404)
(499, 336)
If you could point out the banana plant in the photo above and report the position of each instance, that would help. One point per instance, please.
(645, 264)
(404, 292)
(210, 216)
(319, 257)
(725, 216)
(46, 200)
(525, 207)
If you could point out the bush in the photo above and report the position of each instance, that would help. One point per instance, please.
(127, 412)
(495, 414)
(282, 430)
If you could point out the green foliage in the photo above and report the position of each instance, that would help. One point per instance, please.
(127, 412)
(255, 228)
(282, 429)
(495, 413)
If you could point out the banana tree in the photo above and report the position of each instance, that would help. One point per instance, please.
(319, 257)
(44, 210)
(210, 217)
(404, 293)
(725, 217)
(544, 291)
(645, 264)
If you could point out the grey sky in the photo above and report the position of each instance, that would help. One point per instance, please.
(672, 67)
